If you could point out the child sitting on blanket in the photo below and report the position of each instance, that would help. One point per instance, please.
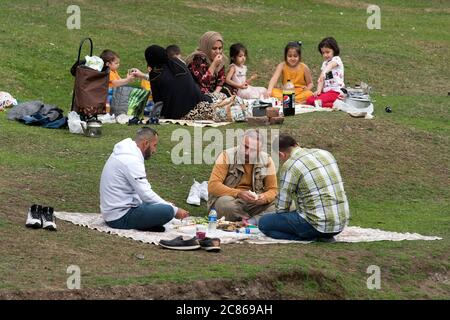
(112, 60)
(331, 79)
(294, 70)
(236, 76)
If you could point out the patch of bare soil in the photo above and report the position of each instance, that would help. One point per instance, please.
(349, 4)
(261, 288)
(136, 30)
(353, 4)
(436, 285)
(436, 48)
(218, 7)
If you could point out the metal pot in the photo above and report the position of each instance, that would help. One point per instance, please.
(359, 103)
(92, 128)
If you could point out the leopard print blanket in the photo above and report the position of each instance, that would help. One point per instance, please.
(207, 110)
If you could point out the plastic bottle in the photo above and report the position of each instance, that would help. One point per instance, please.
(212, 220)
(289, 98)
(248, 230)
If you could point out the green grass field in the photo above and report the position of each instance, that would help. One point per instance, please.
(396, 167)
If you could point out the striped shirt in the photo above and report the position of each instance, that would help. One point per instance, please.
(312, 179)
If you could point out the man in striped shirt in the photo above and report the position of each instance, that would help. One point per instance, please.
(311, 178)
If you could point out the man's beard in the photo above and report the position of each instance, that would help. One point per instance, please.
(147, 154)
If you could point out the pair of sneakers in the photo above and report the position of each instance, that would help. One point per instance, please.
(41, 217)
(183, 243)
(198, 192)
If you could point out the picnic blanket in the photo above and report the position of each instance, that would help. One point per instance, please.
(299, 109)
(305, 108)
(195, 123)
(366, 113)
(176, 228)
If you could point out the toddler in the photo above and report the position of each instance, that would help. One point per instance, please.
(237, 75)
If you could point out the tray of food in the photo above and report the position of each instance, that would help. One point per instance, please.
(229, 225)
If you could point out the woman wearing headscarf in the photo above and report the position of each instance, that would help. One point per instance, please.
(207, 63)
(171, 83)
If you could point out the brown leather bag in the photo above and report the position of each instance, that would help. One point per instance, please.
(90, 89)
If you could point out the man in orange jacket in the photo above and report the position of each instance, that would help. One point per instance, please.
(243, 182)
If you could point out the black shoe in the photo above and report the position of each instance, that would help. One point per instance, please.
(180, 244)
(156, 229)
(34, 218)
(327, 240)
(48, 219)
(153, 120)
(210, 244)
(134, 120)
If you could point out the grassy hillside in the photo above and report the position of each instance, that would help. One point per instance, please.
(395, 167)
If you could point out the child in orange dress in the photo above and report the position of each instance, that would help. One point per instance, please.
(112, 60)
(294, 70)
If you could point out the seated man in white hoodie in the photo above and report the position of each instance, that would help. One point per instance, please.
(127, 200)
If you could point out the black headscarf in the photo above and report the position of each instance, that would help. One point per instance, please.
(156, 57)
(171, 83)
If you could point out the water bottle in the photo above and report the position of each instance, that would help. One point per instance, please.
(248, 230)
(212, 220)
(289, 99)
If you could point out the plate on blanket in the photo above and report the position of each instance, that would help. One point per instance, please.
(229, 225)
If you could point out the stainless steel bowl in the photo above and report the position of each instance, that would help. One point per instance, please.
(359, 103)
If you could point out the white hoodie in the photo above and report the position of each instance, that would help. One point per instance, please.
(124, 183)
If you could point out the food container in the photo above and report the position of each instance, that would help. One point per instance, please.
(272, 112)
(259, 110)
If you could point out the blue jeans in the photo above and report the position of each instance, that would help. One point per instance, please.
(289, 226)
(144, 217)
(110, 94)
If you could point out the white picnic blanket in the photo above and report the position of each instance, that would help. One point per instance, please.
(366, 113)
(176, 228)
(305, 108)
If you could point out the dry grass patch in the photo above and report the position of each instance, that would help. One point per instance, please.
(220, 8)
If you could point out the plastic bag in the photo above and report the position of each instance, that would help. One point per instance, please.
(106, 118)
(94, 62)
(354, 111)
(123, 118)
(74, 122)
(6, 100)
